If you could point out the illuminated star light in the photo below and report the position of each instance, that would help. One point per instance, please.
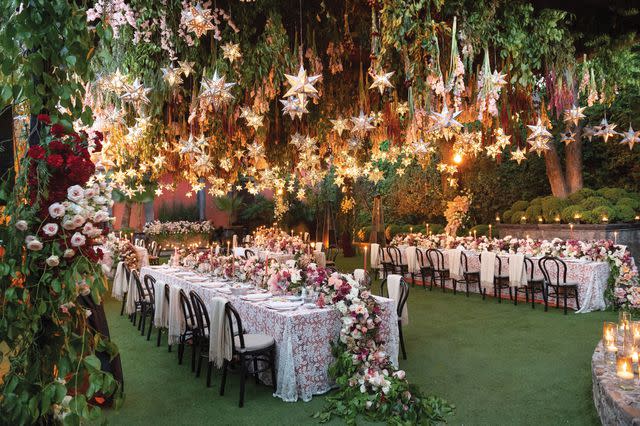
(197, 20)
(171, 75)
(631, 137)
(340, 125)
(381, 81)
(573, 115)
(493, 151)
(295, 106)
(606, 130)
(446, 118)
(402, 109)
(518, 155)
(361, 124)
(301, 84)
(231, 51)
(568, 137)
(136, 93)
(216, 90)
(186, 67)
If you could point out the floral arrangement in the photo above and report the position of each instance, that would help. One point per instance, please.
(284, 278)
(276, 240)
(456, 213)
(58, 214)
(129, 255)
(182, 227)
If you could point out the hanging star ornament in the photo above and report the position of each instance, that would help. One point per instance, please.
(631, 137)
(217, 90)
(186, 67)
(446, 118)
(606, 130)
(493, 151)
(588, 132)
(568, 137)
(197, 20)
(518, 155)
(231, 51)
(361, 124)
(294, 106)
(573, 115)
(539, 130)
(340, 125)
(402, 109)
(381, 81)
(171, 75)
(136, 93)
(502, 140)
(301, 84)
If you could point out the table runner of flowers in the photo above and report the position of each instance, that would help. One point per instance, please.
(623, 285)
(368, 383)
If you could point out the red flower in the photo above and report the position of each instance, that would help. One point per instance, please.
(58, 146)
(36, 152)
(44, 118)
(55, 160)
(58, 130)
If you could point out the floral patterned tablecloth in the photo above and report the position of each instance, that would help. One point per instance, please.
(302, 336)
(591, 277)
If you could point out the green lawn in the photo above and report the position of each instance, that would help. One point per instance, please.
(498, 363)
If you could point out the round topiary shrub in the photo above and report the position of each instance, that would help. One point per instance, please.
(537, 201)
(516, 217)
(436, 228)
(590, 217)
(506, 216)
(593, 202)
(480, 230)
(612, 194)
(519, 205)
(568, 213)
(629, 202)
(624, 213)
(580, 195)
(552, 207)
(533, 212)
(601, 212)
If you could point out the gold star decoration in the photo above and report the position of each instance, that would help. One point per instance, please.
(400, 171)
(231, 51)
(361, 124)
(502, 140)
(518, 155)
(568, 137)
(136, 93)
(255, 150)
(216, 89)
(295, 106)
(197, 20)
(606, 130)
(539, 137)
(116, 82)
(588, 132)
(446, 118)
(340, 125)
(402, 109)
(493, 150)
(375, 175)
(158, 192)
(171, 75)
(381, 80)
(631, 137)
(186, 67)
(301, 84)
(573, 115)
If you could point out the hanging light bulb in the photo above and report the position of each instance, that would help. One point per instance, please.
(457, 158)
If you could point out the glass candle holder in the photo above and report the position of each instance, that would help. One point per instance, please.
(635, 332)
(609, 335)
(624, 321)
(624, 371)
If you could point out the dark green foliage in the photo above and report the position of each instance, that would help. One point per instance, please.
(517, 215)
(178, 211)
(593, 202)
(519, 205)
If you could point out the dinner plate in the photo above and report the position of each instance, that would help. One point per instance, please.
(282, 306)
(224, 290)
(256, 297)
(212, 285)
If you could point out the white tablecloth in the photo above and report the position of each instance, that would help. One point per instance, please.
(302, 336)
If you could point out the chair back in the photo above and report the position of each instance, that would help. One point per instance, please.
(153, 248)
(404, 294)
(423, 262)
(529, 268)
(141, 293)
(166, 293)
(395, 255)
(249, 253)
(139, 242)
(465, 261)
(234, 322)
(554, 270)
(187, 310)
(383, 257)
(127, 271)
(332, 253)
(436, 259)
(150, 285)
(201, 313)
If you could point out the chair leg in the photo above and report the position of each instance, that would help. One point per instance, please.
(225, 366)
(442, 282)
(159, 336)
(515, 300)
(180, 352)
(255, 369)
(143, 319)
(413, 280)
(199, 367)
(209, 364)
(511, 294)
(150, 328)
(467, 283)
(243, 378)
(557, 297)
(404, 352)
(124, 302)
(194, 347)
(565, 301)
(495, 290)
(455, 284)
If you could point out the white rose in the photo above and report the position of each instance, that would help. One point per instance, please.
(400, 374)
(53, 261)
(50, 229)
(100, 216)
(87, 229)
(68, 225)
(78, 240)
(34, 245)
(29, 238)
(75, 193)
(78, 220)
(56, 210)
(90, 192)
(22, 225)
(68, 253)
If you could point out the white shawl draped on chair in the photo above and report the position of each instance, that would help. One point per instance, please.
(517, 270)
(455, 266)
(487, 268)
(318, 246)
(358, 275)
(375, 262)
(132, 296)
(176, 320)
(393, 286)
(161, 308)
(220, 340)
(119, 282)
(412, 259)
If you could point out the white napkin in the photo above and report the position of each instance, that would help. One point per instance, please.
(220, 339)
(119, 282)
(375, 262)
(487, 268)
(319, 246)
(176, 319)
(412, 259)
(132, 296)
(320, 258)
(393, 284)
(455, 266)
(161, 308)
(517, 270)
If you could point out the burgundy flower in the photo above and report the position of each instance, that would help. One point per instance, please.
(55, 161)
(36, 152)
(58, 130)
(44, 118)
(58, 146)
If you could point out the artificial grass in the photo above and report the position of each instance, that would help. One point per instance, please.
(498, 363)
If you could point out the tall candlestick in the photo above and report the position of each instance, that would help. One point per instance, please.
(571, 230)
(428, 230)
(615, 237)
(365, 258)
(228, 247)
(489, 231)
(475, 234)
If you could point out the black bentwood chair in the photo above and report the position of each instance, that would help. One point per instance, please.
(385, 262)
(397, 262)
(500, 281)
(555, 279)
(189, 329)
(201, 335)
(533, 285)
(248, 348)
(425, 268)
(438, 270)
(248, 253)
(127, 274)
(402, 300)
(141, 302)
(468, 277)
(149, 304)
(166, 306)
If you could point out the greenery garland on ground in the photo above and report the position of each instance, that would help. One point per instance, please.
(56, 212)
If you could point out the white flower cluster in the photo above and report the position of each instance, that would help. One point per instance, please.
(180, 227)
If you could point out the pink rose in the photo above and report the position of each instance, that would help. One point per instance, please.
(50, 229)
(78, 240)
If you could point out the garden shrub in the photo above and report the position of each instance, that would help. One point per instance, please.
(612, 194)
(517, 216)
(593, 202)
(552, 207)
(533, 212)
(506, 216)
(633, 203)
(520, 206)
(482, 230)
(599, 212)
(580, 195)
(624, 213)
(537, 201)
(568, 213)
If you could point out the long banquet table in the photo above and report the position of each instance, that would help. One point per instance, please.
(302, 336)
(591, 277)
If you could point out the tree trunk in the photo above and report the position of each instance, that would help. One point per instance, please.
(573, 162)
(554, 172)
(126, 216)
